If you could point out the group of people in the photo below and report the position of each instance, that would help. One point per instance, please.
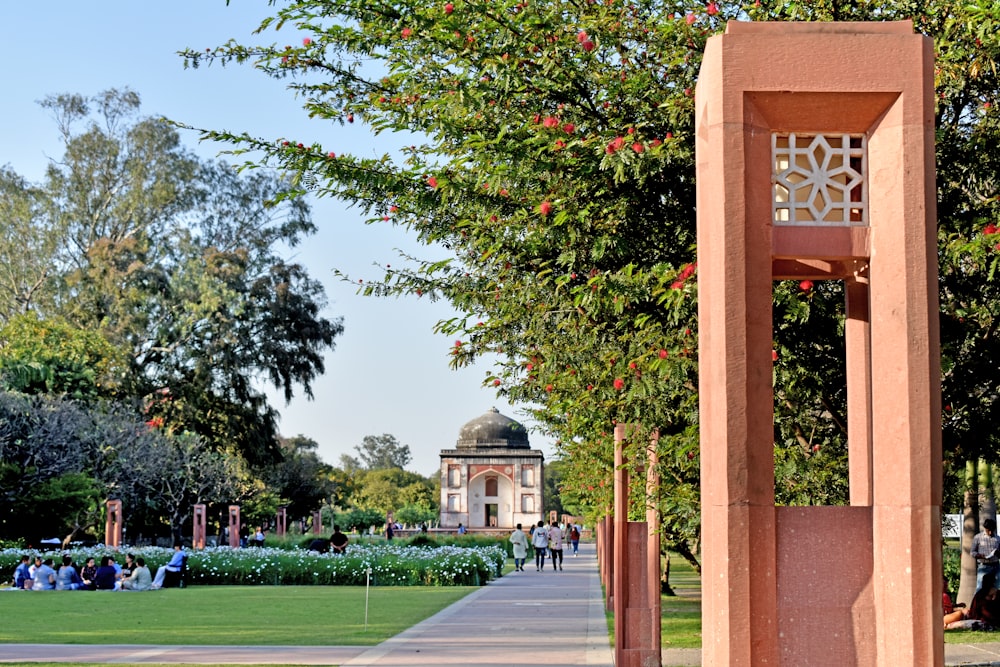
(134, 575)
(546, 541)
(985, 606)
(42, 575)
(337, 543)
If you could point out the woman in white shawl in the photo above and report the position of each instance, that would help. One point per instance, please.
(520, 542)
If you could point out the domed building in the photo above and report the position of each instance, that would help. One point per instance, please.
(492, 479)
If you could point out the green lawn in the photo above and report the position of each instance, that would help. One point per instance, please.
(245, 615)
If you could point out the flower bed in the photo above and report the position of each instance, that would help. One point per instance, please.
(391, 565)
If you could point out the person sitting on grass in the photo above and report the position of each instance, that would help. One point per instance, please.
(174, 565)
(67, 578)
(985, 606)
(106, 578)
(319, 545)
(45, 577)
(140, 579)
(23, 572)
(338, 541)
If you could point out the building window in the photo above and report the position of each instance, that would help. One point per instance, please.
(491, 486)
(528, 503)
(453, 502)
(454, 476)
(527, 476)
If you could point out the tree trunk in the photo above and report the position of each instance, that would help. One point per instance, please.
(970, 526)
(665, 588)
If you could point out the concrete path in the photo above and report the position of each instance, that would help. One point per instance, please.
(525, 619)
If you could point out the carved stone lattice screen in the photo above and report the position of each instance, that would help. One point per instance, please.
(819, 179)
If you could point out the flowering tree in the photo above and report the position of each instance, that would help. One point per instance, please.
(547, 146)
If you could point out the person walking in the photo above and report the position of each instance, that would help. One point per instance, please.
(574, 539)
(520, 542)
(540, 540)
(984, 549)
(556, 545)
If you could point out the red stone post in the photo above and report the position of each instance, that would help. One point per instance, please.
(282, 521)
(815, 161)
(113, 524)
(234, 526)
(317, 527)
(198, 527)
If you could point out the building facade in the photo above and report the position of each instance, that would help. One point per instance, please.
(492, 479)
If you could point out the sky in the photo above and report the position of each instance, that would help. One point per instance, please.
(389, 372)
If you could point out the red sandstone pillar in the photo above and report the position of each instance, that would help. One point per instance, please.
(198, 527)
(282, 521)
(113, 524)
(234, 526)
(317, 527)
(823, 172)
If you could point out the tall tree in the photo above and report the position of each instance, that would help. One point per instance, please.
(381, 452)
(176, 261)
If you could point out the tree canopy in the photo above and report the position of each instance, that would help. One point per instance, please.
(546, 159)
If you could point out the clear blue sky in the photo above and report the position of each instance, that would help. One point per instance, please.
(389, 372)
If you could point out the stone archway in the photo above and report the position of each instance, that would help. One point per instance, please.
(491, 500)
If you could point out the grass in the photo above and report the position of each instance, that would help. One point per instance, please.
(205, 615)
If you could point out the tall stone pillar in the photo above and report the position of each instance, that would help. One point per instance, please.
(198, 527)
(282, 522)
(234, 526)
(317, 522)
(815, 161)
(113, 524)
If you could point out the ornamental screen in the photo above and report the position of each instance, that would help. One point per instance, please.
(819, 179)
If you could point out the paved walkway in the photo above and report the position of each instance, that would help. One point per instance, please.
(543, 619)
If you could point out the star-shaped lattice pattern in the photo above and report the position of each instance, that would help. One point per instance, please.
(819, 179)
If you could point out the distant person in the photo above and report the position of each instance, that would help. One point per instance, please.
(175, 564)
(389, 531)
(338, 541)
(140, 579)
(985, 606)
(423, 528)
(106, 578)
(67, 578)
(574, 539)
(540, 541)
(984, 550)
(461, 529)
(520, 542)
(319, 545)
(34, 566)
(45, 577)
(556, 545)
(88, 572)
(258, 537)
(126, 570)
(22, 572)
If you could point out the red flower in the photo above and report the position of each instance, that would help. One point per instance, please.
(433, 182)
(690, 18)
(631, 365)
(549, 388)
(615, 145)
(458, 343)
(449, 8)
(568, 128)
(712, 9)
(393, 208)
(637, 147)
(990, 229)
(544, 208)
(619, 384)
(306, 41)
(550, 122)
(350, 118)
(590, 387)
(331, 155)
(537, 118)
(774, 355)
(806, 285)
(663, 354)
(582, 36)
(496, 383)
(588, 45)
(406, 33)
